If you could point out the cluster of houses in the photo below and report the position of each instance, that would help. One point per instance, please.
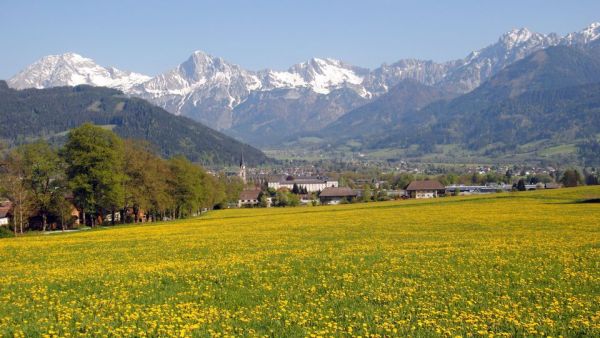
(330, 193)
(327, 191)
(433, 189)
(34, 221)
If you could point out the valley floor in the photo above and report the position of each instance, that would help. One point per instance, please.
(522, 264)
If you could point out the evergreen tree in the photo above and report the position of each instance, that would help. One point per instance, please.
(571, 178)
(521, 185)
(591, 179)
(508, 175)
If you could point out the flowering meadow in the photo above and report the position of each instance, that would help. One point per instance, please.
(518, 264)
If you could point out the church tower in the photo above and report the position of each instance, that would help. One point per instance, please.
(242, 173)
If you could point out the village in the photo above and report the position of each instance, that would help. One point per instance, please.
(293, 187)
(310, 185)
(314, 184)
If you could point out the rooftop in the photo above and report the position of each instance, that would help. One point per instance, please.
(338, 192)
(298, 180)
(249, 194)
(425, 185)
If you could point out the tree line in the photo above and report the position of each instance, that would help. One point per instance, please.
(97, 178)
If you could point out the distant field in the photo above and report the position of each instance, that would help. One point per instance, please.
(523, 264)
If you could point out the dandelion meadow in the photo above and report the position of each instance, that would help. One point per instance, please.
(522, 264)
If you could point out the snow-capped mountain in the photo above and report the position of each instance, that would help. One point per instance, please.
(380, 80)
(218, 93)
(588, 35)
(71, 69)
(208, 88)
(203, 87)
(320, 75)
(480, 65)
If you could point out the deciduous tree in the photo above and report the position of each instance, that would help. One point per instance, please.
(94, 158)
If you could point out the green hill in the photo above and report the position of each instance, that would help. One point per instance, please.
(50, 113)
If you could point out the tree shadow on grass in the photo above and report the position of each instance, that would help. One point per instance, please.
(589, 200)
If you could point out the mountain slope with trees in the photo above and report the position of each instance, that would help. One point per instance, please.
(551, 94)
(375, 117)
(49, 113)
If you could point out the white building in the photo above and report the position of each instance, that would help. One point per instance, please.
(311, 184)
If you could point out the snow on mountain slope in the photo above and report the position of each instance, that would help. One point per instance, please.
(199, 71)
(480, 65)
(203, 87)
(319, 75)
(585, 36)
(512, 46)
(209, 88)
(71, 69)
(380, 80)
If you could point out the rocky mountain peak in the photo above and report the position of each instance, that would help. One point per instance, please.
(71, 69)
(587, 35)
(516, 36)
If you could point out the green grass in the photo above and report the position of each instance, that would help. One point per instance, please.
(561, 149)
(512, 264)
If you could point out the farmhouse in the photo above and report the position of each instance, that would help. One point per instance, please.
(310, 184)
(335, 195)
(5, 209)
(425, 189)
(249, 197)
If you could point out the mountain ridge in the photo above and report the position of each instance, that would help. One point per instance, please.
(551, 96)
(217, 93)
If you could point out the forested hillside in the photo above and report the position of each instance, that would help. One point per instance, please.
(49, 113)
(549, 99)
(376, 117)
(552, 94)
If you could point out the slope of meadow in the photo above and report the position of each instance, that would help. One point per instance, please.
(508, 264)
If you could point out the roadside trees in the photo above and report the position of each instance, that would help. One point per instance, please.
(94, 159)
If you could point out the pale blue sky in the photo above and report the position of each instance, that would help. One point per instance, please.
(152, 36)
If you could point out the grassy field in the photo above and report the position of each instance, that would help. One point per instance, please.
(523, 264)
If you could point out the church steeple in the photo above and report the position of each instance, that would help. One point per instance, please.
(242, 172)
